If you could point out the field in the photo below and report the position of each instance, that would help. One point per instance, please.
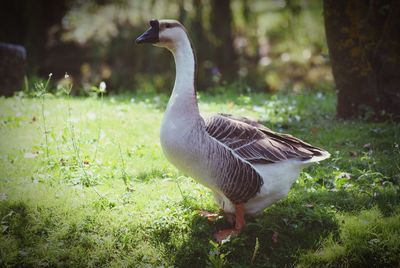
(84, 183)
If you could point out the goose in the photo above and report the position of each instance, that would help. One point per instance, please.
(246, 165)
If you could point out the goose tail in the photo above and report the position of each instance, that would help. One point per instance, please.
(322, 155)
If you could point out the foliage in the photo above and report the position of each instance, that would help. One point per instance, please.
(127, 206)
(276, 44)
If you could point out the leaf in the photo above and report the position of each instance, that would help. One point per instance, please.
(367, 145)
(209, 215)
(4, 228)
(30, 155)
(3, 196)
(256, 249)
(275, 237)
(353, 153)
(344, 175)
(314, 130)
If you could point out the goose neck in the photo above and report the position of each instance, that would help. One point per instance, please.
(184, 94)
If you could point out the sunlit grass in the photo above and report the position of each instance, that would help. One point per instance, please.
(129, 207)
(367, 238)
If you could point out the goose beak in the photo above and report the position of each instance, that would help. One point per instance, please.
(151, 35)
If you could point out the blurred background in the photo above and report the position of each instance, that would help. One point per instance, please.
(262, 46)
(242, 46)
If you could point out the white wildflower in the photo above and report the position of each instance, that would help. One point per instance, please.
(102, 87)
(91, 116)
(320, 96)
(259, 109)
(50, 75)
(285, 57)
(157, 99)
(265, 61)
(66, 76)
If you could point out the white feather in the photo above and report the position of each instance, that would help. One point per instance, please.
(278, 178)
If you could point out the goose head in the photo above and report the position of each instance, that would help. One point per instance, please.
(164, 33)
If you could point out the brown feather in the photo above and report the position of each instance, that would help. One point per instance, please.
(256, 143)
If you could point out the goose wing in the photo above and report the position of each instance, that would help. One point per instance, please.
(256, 143)
(250, 143)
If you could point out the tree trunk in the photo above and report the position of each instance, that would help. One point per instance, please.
(364, 45)
(387, 55)
(221, 26)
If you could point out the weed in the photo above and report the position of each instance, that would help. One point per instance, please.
(255, 252)
(124, 175)
(216, 258)
(41, 91)
(87, 180)
(101, 89)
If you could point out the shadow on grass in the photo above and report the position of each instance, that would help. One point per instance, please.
(284, 231)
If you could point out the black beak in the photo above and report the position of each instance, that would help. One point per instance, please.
(151, 35)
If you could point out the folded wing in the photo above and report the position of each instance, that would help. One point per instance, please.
(256, 143)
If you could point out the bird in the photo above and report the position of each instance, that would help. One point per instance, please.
(246, 165)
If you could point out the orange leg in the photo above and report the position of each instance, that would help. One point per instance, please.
(240, 224)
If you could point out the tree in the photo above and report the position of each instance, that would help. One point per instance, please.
(364, 45)
(201, 44)
(221, 26)
(28, 23)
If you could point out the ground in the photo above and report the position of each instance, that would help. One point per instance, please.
(83, 182)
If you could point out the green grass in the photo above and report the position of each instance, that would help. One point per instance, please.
(125, 205)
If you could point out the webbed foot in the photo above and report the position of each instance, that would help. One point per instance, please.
(239, 225)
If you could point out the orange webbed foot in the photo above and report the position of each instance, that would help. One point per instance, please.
(225, 234)
(209, 215)
(239, 225)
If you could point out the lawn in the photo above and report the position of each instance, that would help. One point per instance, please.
(83, 182)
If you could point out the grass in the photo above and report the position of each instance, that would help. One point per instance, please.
(106, 196)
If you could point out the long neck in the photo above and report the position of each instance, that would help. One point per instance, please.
(183, 99)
